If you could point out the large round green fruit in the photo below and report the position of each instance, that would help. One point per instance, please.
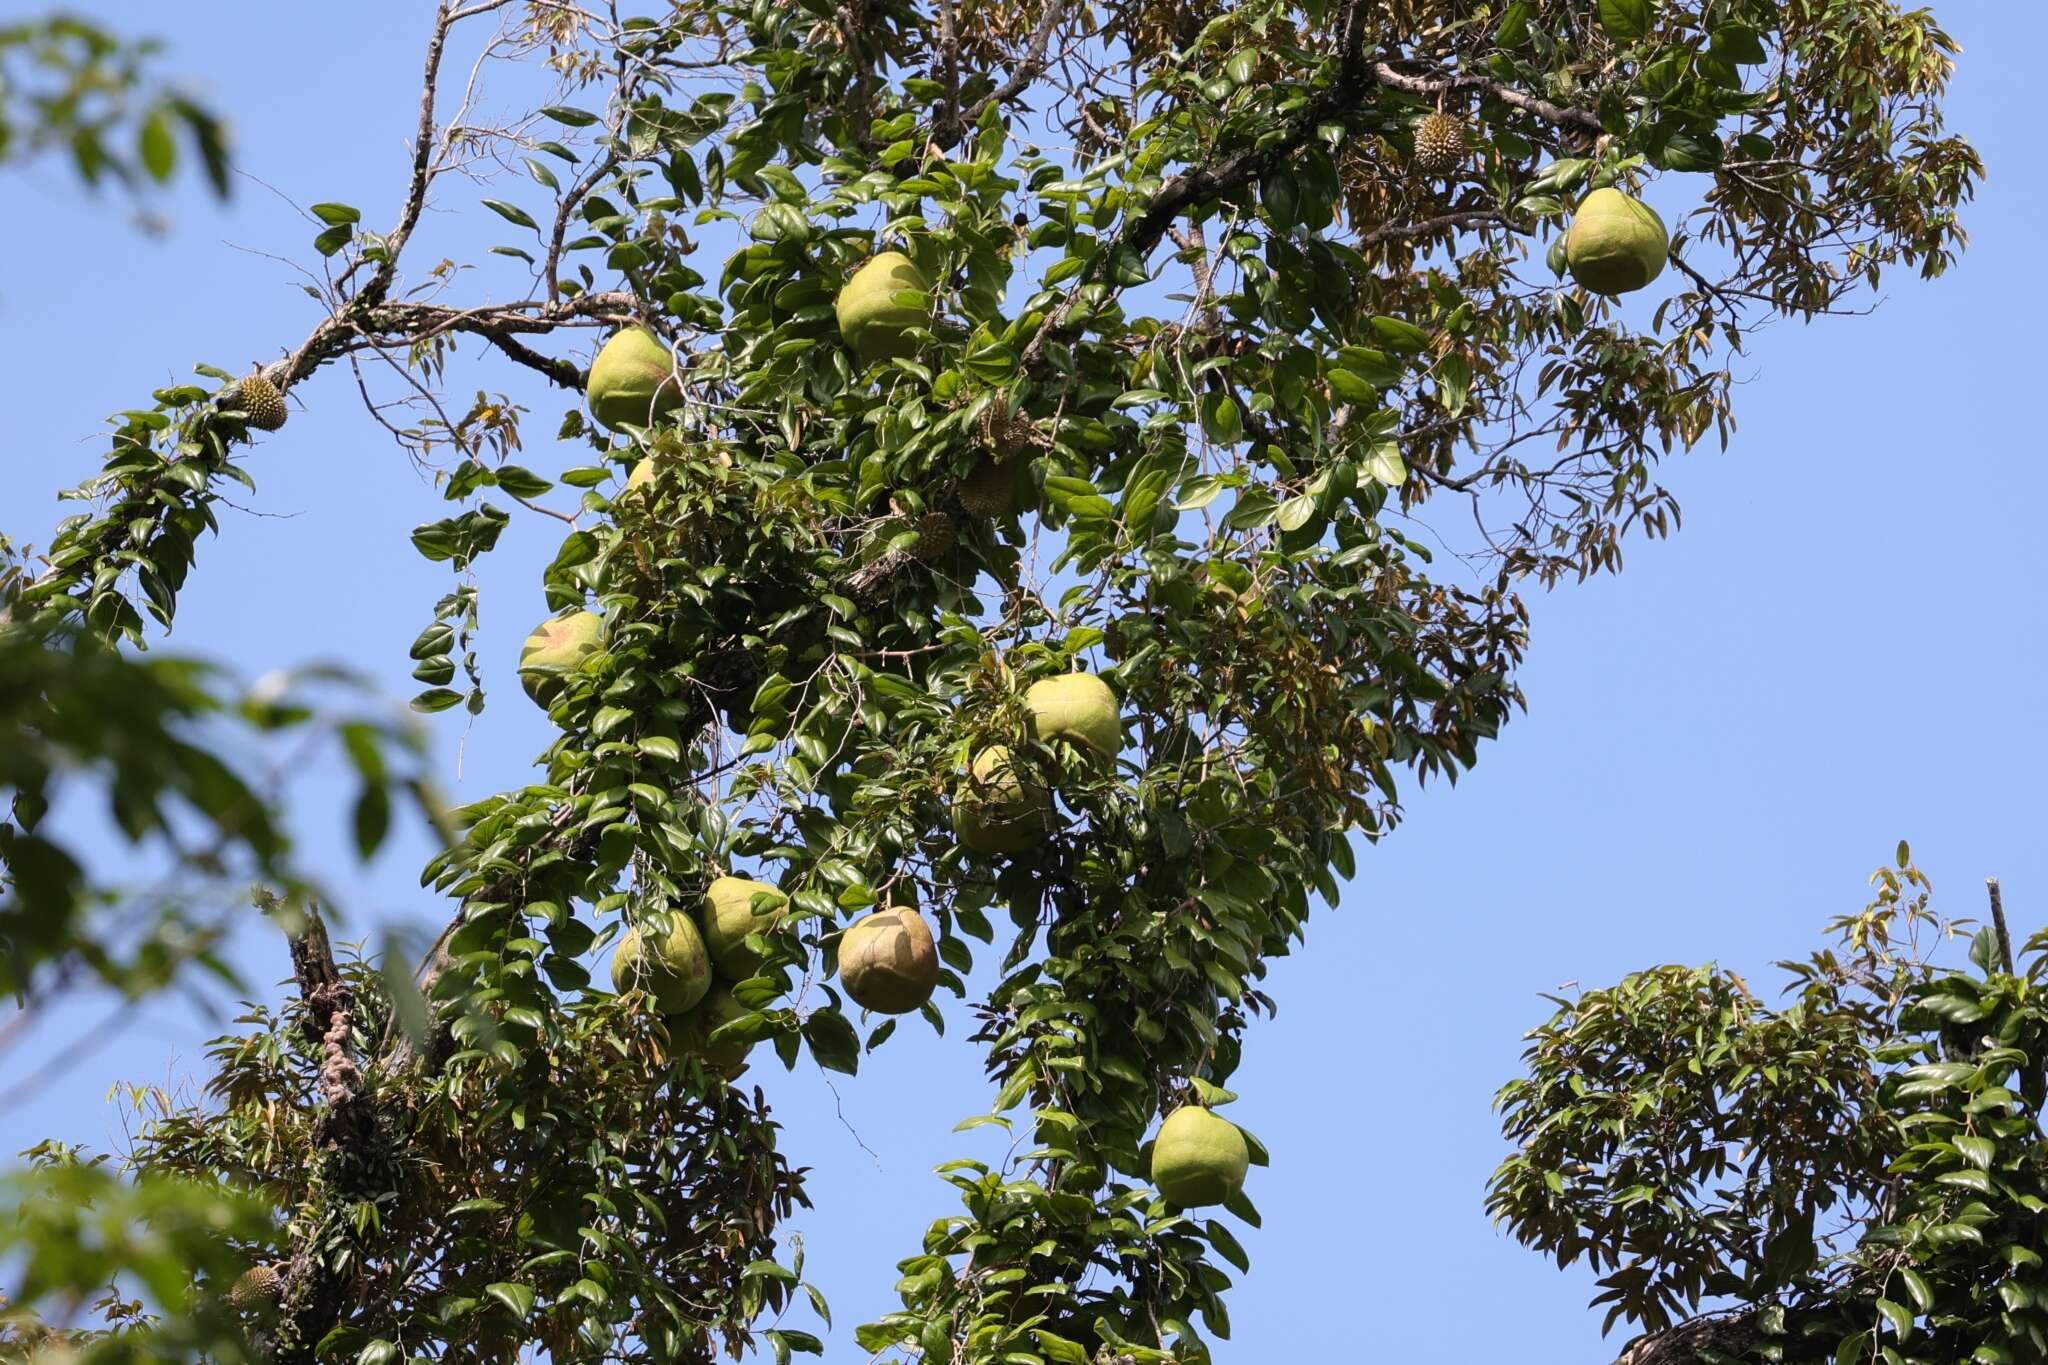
(555, 649)
(888, 962)
(1198, 1158)
(692, 1032)
(633, 380)
(997, 809)
(1079, 708)
(730, 914)
(1616, 244)
(674, 968)
(870, 318)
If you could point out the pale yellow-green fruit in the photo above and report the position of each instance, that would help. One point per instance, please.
(556, 648)
(1198, 1158)
(692, 1032)
(633, 380)
(729, 915)
(1616, 244)
(870, 318)
(641, 475)
(674, 969)
(1079, 708)
(888, 962)
(997, 809)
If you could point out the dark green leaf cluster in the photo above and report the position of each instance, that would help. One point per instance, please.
(1858, 1174)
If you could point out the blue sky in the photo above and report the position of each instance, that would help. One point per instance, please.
(1838, 650)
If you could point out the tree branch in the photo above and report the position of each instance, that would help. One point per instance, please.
(1435, 83)
(1028, 68)
(379, 284)
(1219, 177)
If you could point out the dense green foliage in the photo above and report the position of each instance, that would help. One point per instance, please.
(1222, 358)
(1858, 1173)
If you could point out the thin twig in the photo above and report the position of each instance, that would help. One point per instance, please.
(1998, 923)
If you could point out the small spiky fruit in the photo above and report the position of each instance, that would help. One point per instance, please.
(987, 492)
(259, 399)
(935, 536)
(1439, 144)
(259, 1287)
(733, 908)
(888, 962)
(870, 318)
(1198, 1158)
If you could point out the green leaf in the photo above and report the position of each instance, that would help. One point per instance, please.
(833, 1041)
(1626, 20)
(1739, 44)
(159, 153)
(1898, 1317)
(1296, 512)
(1916, 1285)
(511, 213)
(336, 215)
(517, 1298)
(1978, 1151)
(1402, 336)
(1221, 420)
(1514, 25)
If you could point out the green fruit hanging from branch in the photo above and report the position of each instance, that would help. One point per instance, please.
(735, 907)
(888, 961)
(872, 317)
(1078, 708)
(633, 381)
(692, 1032)
(555, 649)
(671, 966)
(997, 809)
(1616, 244)
(1198, 1158)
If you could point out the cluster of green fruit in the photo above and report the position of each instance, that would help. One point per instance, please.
(674, 965)
(635, 382)
(1000, 809)
(887, 962)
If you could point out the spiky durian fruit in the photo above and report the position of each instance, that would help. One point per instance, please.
(1439, 144)
(935, 535)
(986, 492)
(259, 1287)
(257, 397)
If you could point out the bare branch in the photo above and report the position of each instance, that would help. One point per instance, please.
(1563, 115)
